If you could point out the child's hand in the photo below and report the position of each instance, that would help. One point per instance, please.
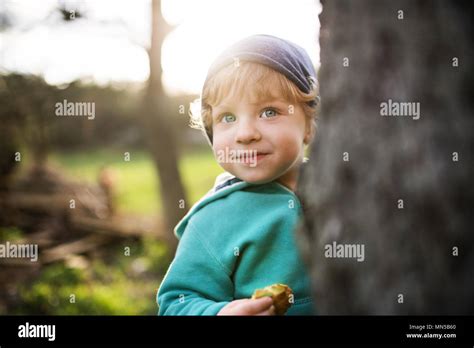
(261, 306)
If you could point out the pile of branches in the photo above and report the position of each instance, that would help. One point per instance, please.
(64, 218)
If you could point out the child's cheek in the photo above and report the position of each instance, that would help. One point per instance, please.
(217, 144)
(219, 150)
(292, 146)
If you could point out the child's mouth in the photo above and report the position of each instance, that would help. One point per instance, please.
(253, 160)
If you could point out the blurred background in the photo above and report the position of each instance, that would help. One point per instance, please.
(100, 188)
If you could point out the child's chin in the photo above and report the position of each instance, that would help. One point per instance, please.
(255, 179)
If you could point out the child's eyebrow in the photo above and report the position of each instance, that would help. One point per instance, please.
(269, 101)
(257, 103)
(222, 106)
(216, 110)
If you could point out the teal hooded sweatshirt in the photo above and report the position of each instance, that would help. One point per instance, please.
(237, 238)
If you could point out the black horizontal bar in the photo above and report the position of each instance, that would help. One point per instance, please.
(141, 330)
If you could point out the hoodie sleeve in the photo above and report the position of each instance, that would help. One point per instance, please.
(196, 283)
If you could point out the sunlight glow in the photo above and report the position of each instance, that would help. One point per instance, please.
(110, 44)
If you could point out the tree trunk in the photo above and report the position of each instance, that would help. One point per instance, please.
(399, 186)
(159, 132)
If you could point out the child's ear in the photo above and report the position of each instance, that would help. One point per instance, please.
(309, 132)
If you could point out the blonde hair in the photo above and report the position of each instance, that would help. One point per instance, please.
(236, 79)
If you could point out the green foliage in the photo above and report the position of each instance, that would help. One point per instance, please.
(124, 285)
(10, 234)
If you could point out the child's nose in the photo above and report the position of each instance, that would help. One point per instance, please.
(247, 132)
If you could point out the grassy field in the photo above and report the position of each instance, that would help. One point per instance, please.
(137, 182)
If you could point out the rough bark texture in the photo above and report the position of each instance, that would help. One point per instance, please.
(408, 251)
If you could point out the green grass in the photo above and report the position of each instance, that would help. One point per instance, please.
(118, 287)
(137, 182)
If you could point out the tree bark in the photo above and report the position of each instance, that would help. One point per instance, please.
(400, 193)
(159, 133)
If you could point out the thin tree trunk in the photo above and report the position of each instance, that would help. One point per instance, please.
(399, 186)
(159, 132)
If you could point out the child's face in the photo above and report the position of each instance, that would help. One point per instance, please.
(274, 128)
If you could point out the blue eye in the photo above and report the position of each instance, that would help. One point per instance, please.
(267, 113)
(228, 118)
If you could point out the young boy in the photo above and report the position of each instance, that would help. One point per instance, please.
(258, 108)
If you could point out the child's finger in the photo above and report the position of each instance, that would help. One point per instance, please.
(269, 311)
(258, 305)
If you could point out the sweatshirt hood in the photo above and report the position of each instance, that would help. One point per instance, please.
(224, 185)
